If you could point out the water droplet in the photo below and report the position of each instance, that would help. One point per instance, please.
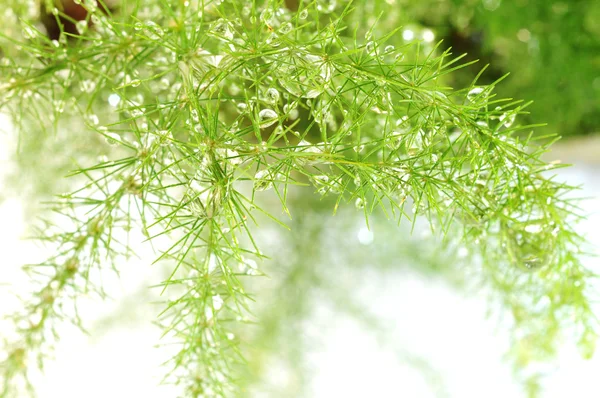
(529, 244)
(272, 95)
(112, 138)
(321, 182)
(222, 30)
(267, 117)
(81, 26)
(29, 32)
(263, 180)
(266, 16)
(360, 203)
(389, 49)
(291, 111)
(135, 83)
(165, 137)
(371, 47)
(474, 93)
(242, 107)
(114, 100)
(303, 14)
(286, 28)
(321, 179)
(508, 119)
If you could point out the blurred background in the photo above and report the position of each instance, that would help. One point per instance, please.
(405, 317)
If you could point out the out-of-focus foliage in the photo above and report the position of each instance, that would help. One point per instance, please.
(551, 48)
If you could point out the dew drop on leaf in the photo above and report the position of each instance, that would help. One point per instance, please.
(359, 203)
(222, 30)
(474, 93)
(286, 28)
(272, 95)
(508, 119)
(81, 26)
(263, 180)
(370, 47)
(531, 244)
(112, 138)
(242, 107)
(267, 117)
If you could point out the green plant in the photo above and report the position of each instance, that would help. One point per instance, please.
(198, 110)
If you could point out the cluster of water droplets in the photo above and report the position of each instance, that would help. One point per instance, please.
(206, 191)
(222, 29)
(149, 29)
(303, 74)
(531, 240)
(326, 184)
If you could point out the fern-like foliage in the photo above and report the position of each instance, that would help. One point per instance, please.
(193, 111)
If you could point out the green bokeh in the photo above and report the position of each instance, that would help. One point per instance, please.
(550, 48)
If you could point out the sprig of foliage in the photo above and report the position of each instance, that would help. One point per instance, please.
(206, 105)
